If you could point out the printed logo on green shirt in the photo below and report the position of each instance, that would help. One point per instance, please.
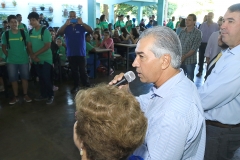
(37, 37)
(15, 39)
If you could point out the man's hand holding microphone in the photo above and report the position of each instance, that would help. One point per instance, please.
(121, 80)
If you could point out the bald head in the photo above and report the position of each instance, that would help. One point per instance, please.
(210, 16)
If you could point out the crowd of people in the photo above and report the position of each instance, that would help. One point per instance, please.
(30, 53)
(175, 120)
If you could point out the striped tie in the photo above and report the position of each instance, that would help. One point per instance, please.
(212, 64)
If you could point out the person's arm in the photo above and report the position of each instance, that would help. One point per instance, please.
(61, 30)
(4, 44)
(4, 49)
(134, 41)
(30, 52)
(220, 88)
(87, 27)
(127, 37)
(93, 50)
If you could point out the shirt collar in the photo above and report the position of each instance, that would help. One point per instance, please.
(185, 29)
(234, 50)
(164, 89)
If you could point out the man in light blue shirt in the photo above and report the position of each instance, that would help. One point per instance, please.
(176, 124)
(220, 95)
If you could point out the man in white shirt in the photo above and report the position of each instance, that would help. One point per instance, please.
(220, 95)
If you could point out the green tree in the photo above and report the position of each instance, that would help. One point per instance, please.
(125, 9)
(171, 9)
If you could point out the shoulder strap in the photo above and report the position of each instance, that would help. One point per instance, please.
(7, 39)
(23, 36)
(24, 25)
(42, 32)
(30, 31)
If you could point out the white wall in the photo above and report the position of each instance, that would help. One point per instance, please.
(24, 9)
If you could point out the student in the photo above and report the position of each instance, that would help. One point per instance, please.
(17, 62)
(96, 39)
(103, 23)
(108, 44)
(40, 52)
(61, 50)
(20, 24)
(128, 24)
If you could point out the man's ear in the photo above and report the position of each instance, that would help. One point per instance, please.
(166, 61)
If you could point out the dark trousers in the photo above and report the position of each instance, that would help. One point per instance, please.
(201, 53)
(79, 70)
(221, 143)
(44, 72)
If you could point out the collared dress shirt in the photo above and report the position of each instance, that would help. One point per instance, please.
(190, 41)
(212, 48)
(207, 30)
(220, 94)
(176, 124)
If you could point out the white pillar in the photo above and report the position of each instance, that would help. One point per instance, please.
(92, 13)
(111, 13)
(139, 15)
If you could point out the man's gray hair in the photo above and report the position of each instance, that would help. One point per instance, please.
(166, 42)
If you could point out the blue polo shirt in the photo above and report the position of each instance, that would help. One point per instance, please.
(75, 40)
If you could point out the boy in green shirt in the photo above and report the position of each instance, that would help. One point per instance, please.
(120, 22)
(41, 54)
(14, 43)
(61, 50)
(129, 24)
(20, 24)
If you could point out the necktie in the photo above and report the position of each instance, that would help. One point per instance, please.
(212, 64)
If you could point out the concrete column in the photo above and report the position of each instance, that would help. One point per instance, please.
(160, 11)
(139, 15)
(92, 13)
(98, 14)
(111, 13)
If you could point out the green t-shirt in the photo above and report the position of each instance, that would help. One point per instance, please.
(89, 47)
(93, 42)
(62, 51)
(98, 26)
(170, 25)
(129, 25)
(37, 44)
(17, 53)
(21, 26)
(104, 25)
(120, 23)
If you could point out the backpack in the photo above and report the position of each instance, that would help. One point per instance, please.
(22, 34)
(42, 32)
(24, 26)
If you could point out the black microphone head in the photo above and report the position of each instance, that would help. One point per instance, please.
(130, 76)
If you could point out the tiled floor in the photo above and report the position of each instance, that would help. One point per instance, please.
(35, 131)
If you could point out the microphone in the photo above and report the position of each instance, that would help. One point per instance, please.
(127, 78)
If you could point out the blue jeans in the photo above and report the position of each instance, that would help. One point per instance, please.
(189, 70)
(44, 72)
(13, 70)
